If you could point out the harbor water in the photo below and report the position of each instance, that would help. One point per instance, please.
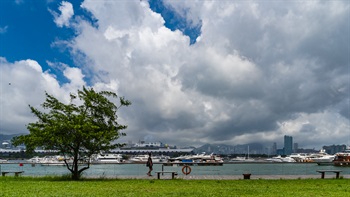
(227, 169)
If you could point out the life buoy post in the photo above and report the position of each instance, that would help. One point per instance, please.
(186, 170)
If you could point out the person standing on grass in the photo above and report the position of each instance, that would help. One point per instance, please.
(149, 164)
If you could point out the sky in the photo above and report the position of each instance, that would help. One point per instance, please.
(196, 72)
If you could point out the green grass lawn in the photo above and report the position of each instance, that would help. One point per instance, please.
(56, 186)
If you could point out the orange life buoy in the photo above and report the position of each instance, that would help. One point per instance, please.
(186, 170)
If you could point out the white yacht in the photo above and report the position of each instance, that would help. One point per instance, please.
(160, 158)
(288, 159)
(35, 159)
(139, 159)
(106, 158)
(56, 160)
(281, 159)
(326, 159)
(322, 158)
(198, 158)
(242, 159)
(300, 157)
(144, 159)
(274, 159)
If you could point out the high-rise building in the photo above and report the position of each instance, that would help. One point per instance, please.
(274, 149)
(288, 145)
(295, 147)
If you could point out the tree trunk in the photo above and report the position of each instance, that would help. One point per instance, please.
(75, 175)
(75, 167)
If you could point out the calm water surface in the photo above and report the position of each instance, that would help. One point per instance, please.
(110, 170)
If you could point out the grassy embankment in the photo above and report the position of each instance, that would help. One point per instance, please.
(56, 186)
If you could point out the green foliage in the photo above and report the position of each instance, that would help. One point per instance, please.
(48, 186)
(85, 126)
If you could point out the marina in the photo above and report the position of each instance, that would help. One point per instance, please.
(132, 164)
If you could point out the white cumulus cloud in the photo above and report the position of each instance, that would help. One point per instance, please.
(256, 64)
(260, 70)
(63, 18)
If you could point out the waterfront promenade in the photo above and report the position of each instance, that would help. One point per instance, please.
(225, 172)
(228, 177)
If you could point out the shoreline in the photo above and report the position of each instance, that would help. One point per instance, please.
(219, 177)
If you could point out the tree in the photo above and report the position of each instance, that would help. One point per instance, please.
(76, 130)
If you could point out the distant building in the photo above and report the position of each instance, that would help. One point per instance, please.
(280, 151)
(334, 149)
(288, 145)
(274, 149)
(295, 147)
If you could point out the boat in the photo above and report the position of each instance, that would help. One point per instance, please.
(35, 160)
(288, 159)
(160, 158)
(198, 159)
(3, 161)
(300, 157)
(144, 159)
(56, 160)
(243, 159)
(280, 159)
(139, 159)
(51, 160)
(104, 158)
(324, 160)
(277, 159)
(342, 158)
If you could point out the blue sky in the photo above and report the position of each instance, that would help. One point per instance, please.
(28, 30)
(197, 72)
